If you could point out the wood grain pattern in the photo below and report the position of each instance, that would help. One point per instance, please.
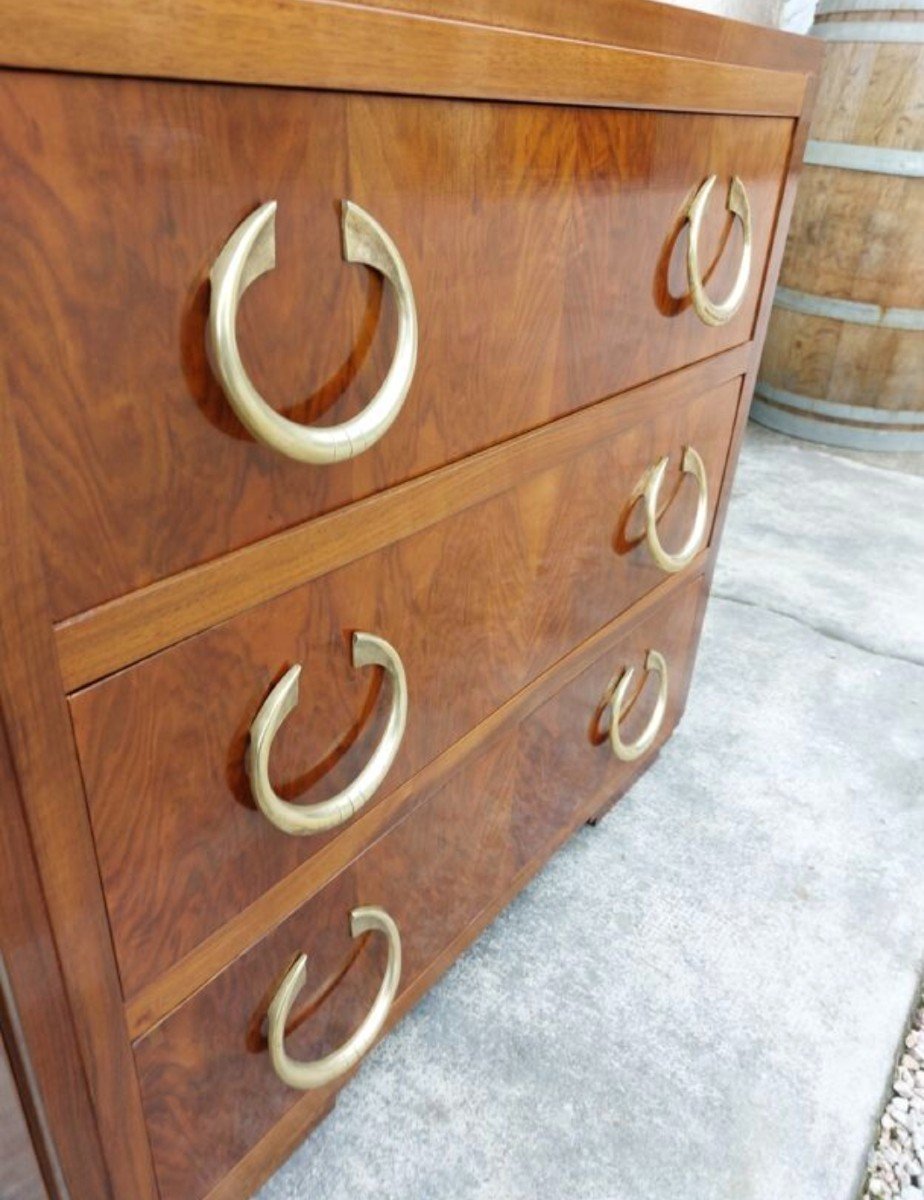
(205, 1074)
(35, 1016)
(193, 972)
(477, 606)
(320, 44)
(126, 630)
(30, 1129)
(42, 782)
(871, 92)
(637, 24)
(771, 275)
(857, 236)
(848, 363)
(545, 245)
(108, 252)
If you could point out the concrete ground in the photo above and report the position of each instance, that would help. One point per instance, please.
(701, 998)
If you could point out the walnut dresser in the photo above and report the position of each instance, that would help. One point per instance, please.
(373, 376)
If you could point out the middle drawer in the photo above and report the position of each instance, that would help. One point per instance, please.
(475, 607)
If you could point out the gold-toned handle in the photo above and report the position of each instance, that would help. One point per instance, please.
(707, 310)
(251, 252)
(629, 751)
(306, 1075)
(297, 819)
(649, 488)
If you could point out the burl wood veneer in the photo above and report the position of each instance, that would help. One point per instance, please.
(521, 226)
(476, 606)
(440, 873)
(587, 325)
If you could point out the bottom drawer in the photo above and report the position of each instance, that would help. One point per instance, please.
(209, 1086)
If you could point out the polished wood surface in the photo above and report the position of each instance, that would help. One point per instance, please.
(324, 44)
(20, 1175)
(476, 606)
(42, 790)
(209, 1090)
(632, 23)
(119, 633)
(35, 1018)
(148, 517)
(771, 276)
(193, 972)
(546, 249)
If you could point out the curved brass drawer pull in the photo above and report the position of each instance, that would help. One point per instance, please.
(649, 489)
(629, 751)
(305, 1075)
(710, 312)
(248, 254)
(302, 819)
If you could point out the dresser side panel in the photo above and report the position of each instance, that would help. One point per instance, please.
(42, 763)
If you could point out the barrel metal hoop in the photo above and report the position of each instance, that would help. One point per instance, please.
(880, 160)
(869, 31)
(828, 433)
(843, 412)
(855, 312)
(854, 433)
(831, 7)
(827, 8)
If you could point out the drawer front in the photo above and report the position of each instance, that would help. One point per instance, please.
(209, 1087)
(545, 246)
(475, 606)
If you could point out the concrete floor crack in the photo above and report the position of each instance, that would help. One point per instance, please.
(831, 634)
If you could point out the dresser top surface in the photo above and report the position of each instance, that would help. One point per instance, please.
(652, 25)
(632, 53)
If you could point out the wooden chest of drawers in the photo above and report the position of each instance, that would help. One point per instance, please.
(373, 381)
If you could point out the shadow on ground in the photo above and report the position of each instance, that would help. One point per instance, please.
(703, 996)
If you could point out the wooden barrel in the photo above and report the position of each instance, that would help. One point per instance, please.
(844, 357)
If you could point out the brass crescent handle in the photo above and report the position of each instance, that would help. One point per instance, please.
(649, 489)
(322, 1071)
(629, 751)
(249, 253)
(301, 819)
(709, 311)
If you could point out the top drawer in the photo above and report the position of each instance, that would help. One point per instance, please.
(546, 249)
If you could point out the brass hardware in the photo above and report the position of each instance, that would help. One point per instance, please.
(718, 313)
(629, 751)
(299, 819)
(251, 252)
(649, 489)
(306, 1075)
